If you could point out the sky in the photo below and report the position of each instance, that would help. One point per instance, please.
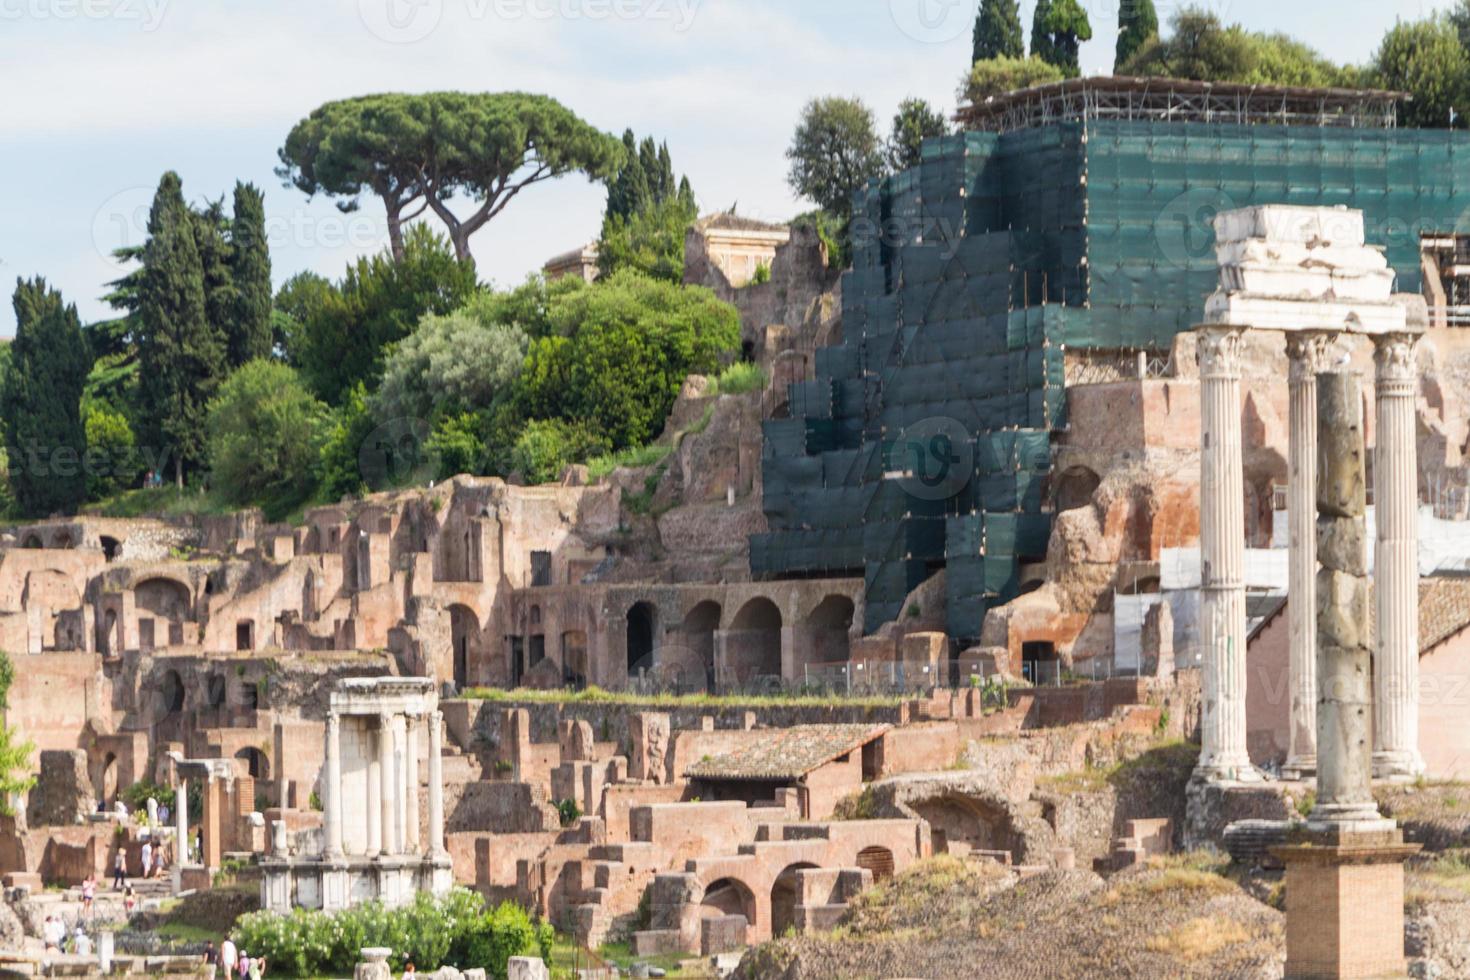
(99, 97)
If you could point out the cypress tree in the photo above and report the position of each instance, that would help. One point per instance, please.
(1138, 22)
(1041, 46)
(666, 183)
(629, 192)
(998, 31)
(44, 435)
(250, 269)
(180, 354)
(210, 229)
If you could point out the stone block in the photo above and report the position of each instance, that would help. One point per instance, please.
(1342, 609)
(1342, 545)
(721, 934)
(526, 968)
(650, 747)
(62, 796)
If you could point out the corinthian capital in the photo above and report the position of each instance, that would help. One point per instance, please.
(1393, 354)
(1309, 354)
(1218, 352)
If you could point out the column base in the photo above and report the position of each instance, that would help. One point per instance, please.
(1345, 904)
(1302, 767)
(1227, 772)
(1398, 766)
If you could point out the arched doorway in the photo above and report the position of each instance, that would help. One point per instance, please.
(784, 894)
(753, 644)
(32, 541)
(216, 691)
(642, 626)
(257, 766)
(878, 860)
(1039, 663)
(171, 692)
(727, 896)
(1075, 487)
(828, 627)
(106, 785)
(464, 630)
(574, 659)
(699, 635)
(111, 548)
(167, 600)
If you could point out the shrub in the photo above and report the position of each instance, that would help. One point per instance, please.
(265, 436)
(547, 447)
(737, 379)
(568, 811)
(454, 930)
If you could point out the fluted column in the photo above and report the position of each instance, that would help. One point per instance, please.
(436, 785)
(181, 831)
(374, 802)
(1223, 753)
(332, 787)
(411, 757)
(386, 797)
(1307, 355)
(1396, 564)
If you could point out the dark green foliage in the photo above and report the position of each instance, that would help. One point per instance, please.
(44, 437)
(648, 212)
(339, 468)
(1000, 75)
(1065, 26)
(112, 456)
(1138, 22)
(1427, 59)
(834, 151)
(1200, 47)
(250, 334)
(423, 150)
(620, 352)
(211, 230)
(915, 121)
(180, 354)
(1041, 44)
(998, 31)
(547, 447)
(342, 334)
(15, 757)
(265, 436)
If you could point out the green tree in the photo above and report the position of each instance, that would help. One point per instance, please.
(547, 447)
(41, 401)
(180, 355)
(265, 436)
(1041, 43)
(628, 192)
(834, 151)
(915, 122)
(650, 242)
(339, 471)
(1138, 22)
(15, 756)
(250, 333)
(1065, 27)
(211, 236)
(1202, 48)
(346, 330)
(998, 31)
(1001, 75)
(621, 352)
(417, 150)
(458, 362)
(1428, 60)
(112, 455)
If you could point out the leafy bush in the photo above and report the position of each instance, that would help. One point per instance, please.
(568, 812)
(737, 379)
(634, 458)
(112, 457)
(547, 447)
(998, 76)
(456, 930)
(265, 436)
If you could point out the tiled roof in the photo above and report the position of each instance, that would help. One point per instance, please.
(1444, 610)
(786, 753)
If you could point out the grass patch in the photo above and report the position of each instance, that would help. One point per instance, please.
(185, 932)
(1164, 760)
(633, 458)
(596, 695)
(158, 501)
(1198, 938)
(738, 379)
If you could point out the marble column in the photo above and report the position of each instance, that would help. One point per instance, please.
(400, 785)
(332, 788)
(411, 756)
(436, 785)
(1307, 355)
(386, 797)
(181, 832)
(1344, 667)
(1222, 557)
(1396, 562)
(374, 800)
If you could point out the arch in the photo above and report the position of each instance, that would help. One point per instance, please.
(1074, 488)
(982, 825)
(878, 860)
(574, 658)
(167, 599)
(257, 765)
(171, 690)
(1039, 663)
(784, 895)
(535, 616)
(106, 785)
(753, 643)
(111, 547)
(829, 626)
(728, 896)
(698, 635)
(32, 541)
(642, 636)
(216, 691)
(464, 629)
(63, 540)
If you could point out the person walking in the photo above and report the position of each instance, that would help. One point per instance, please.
(147, 859)
(119, 869)
(53, 933)
(89, 893)
(229, 958)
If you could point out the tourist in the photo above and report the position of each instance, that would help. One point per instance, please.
(89, 893)
(147, 859)
(409, 971)
(229, 957)
(119, 869)
(257, 968)
(120, 809)
(158, 862)
(81, 943)
(130, 899)
(244, 969)
(211, 959)
(54, 934)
